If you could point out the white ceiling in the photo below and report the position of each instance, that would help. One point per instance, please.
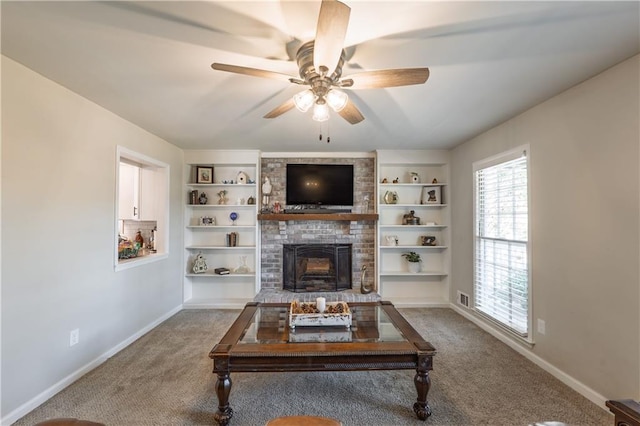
(149, 62)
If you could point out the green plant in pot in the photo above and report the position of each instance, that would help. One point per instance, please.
(413, 260)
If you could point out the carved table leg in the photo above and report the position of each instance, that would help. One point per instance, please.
(223, 388)
(423, 383)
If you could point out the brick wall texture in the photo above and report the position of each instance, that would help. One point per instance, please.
(360, 234)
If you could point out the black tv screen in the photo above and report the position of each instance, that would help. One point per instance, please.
(320, 184)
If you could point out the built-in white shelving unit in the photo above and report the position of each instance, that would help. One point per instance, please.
(410, 178)
(208, 289)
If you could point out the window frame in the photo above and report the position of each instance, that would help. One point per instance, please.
(132, 157)
(506, 156)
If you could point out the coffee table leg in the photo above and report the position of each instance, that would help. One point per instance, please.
(423, 383)
(223, 388)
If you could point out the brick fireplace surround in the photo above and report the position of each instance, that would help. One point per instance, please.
(361, 234)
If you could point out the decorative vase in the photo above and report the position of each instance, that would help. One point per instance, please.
(391, 197)
(414, 267)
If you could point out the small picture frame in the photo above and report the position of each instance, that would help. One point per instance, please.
(204, 174)
(207, 221)
(428, 240)
(431, 195)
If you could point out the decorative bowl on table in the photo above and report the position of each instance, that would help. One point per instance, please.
(307, 314)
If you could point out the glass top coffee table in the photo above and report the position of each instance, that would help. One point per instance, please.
(380, 338)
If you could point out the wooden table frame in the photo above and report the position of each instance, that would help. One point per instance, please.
(412, 353)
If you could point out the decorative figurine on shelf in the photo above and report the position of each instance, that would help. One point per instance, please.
(266, 191)
(242, 268)
(434, 180)
(203, 198)
(251, 200)
(415, 178)
(242, 178)
(222, 199)
(384, 180)
(233, 216)
(199, 264)
(365, 204)
(410, 218)
(396, 180)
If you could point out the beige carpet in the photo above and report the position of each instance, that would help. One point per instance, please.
(165, 378)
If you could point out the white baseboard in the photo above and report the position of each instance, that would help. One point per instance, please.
(35, 402)
(574, 384)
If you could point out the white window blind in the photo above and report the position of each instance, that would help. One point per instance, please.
(501, 278)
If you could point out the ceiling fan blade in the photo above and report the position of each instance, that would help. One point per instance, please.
(254, 72)
(281, 109)
(332, 29)
(386, 78)
(351, 113)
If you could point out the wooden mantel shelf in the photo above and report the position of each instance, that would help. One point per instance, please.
(319, 216)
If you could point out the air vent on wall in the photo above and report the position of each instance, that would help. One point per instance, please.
(463, 299)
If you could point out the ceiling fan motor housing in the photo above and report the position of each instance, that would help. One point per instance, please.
(320, 84)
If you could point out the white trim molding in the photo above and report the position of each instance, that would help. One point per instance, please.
(517, 346)
(38, 400)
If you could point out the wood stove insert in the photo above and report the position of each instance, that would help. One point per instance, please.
(316, 267)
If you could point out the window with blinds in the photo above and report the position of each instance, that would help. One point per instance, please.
(501, 219)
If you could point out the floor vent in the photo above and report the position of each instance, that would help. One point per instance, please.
(463, 299)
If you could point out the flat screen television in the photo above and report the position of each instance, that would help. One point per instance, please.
(319, 185)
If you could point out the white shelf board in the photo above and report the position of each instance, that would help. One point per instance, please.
(413, 274)
(412, 226)
(386, 185)
(411, 205)
(214, 227)
(413, 247)
(214, 275)
(240, 206)
(219, 184)
(220, 247)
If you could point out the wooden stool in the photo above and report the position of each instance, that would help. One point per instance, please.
(303, 421)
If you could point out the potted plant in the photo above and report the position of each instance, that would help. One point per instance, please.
(413, 260)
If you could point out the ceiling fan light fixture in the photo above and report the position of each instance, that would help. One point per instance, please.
(337, 99)
(320, 112)
(304, 100)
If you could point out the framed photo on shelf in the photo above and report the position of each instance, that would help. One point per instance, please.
(431, 195)
(204, 174)
(207, 221)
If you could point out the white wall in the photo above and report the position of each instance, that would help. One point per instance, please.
(584, 168)
(58, 207)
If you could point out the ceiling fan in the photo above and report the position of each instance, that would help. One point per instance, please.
(320, 63)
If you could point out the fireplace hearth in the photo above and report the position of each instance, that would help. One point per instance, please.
(316, 267)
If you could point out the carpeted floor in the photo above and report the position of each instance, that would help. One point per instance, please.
(165, 378)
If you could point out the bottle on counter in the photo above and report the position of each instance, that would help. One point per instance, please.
(139, 241)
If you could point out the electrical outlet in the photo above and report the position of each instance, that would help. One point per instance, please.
(74, 337)
(541, 326)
